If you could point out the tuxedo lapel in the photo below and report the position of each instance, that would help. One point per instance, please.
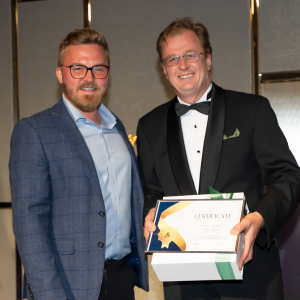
(177, 155)
(213, 140)
(71, 133)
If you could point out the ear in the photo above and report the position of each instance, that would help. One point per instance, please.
(59, 75)
(208, 61)
(165, 71)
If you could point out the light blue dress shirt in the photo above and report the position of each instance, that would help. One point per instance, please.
(113, 164)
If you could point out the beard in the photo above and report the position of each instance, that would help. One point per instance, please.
(86, 103)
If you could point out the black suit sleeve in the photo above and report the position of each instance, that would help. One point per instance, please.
(278, 169)
(149, 179)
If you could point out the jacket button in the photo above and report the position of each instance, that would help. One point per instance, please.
(100, 245)
(102, 213)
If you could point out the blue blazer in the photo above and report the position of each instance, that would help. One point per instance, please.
(57, 209)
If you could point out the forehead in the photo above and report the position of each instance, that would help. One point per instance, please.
(184, 41)
(90, 53)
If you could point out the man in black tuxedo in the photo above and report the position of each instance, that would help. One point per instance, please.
(243, 150)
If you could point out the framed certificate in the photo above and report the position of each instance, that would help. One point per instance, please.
(196, 225)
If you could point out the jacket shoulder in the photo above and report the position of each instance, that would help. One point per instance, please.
(244, 98)
(39, 120)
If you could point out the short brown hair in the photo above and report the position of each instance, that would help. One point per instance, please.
(185, 24)
(80, 37)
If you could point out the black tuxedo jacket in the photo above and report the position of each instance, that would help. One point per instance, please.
(259, 156)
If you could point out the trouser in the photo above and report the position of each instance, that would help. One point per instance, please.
(190, 291)
(118, 281)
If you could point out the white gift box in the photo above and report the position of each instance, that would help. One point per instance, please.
(195, 266)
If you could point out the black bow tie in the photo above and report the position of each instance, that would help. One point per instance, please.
(202, 107)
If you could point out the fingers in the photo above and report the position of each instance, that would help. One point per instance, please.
(241, 261)
(240, 227)
(252, 222)
(236, 230)
(244, 254)
(149, 225)
(150, 215)
(247, 254)
(250, 255)
(251, 225)
(146, 233)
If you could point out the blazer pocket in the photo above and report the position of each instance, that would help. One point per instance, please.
(234, 141)
(64, 246)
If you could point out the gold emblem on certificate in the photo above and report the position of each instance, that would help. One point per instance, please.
(167, 235)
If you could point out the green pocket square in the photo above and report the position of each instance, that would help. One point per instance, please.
(236, 134)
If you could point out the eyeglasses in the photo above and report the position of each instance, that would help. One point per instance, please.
(80, 71)
(188, 57)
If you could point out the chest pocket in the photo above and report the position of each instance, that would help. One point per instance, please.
(234, 141)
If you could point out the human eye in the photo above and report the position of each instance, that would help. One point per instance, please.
(171, 60)
(99, 69)
(78, 68)
(191, 55)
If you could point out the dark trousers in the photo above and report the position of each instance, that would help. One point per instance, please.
(118, 281)
(190, 290)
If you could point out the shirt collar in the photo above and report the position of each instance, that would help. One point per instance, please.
(203, 98)
(108, 120)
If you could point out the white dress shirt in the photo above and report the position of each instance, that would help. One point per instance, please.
(193, 125)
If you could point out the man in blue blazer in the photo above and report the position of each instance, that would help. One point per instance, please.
(76, 193)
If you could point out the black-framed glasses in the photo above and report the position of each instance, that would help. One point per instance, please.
(80, 71)
(188, 57)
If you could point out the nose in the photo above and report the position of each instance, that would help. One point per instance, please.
(89, 76)
(182, 64)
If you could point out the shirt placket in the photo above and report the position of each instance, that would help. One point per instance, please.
(114, 192)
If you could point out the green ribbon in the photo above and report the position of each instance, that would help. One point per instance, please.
(224, 267)
(218, 195)
(222, 260)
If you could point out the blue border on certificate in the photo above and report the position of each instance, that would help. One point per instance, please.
(155, 244)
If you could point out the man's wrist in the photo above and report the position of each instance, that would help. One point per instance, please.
(261, 219)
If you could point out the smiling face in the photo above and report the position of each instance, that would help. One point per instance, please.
(190, 80)
(86, 93)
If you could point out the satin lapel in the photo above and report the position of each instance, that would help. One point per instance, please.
(71, 133)
(213, 140)
(177, 154)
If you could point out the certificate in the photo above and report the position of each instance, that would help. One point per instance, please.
(196, 225)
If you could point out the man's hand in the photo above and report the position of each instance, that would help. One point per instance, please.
(251, 226)
(149, 225)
